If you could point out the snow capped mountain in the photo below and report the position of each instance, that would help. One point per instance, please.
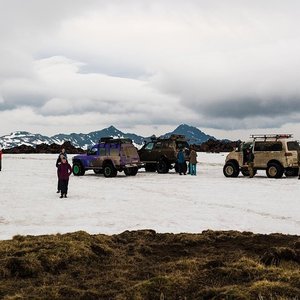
(23, 138)
(83, 141)
(193, 134)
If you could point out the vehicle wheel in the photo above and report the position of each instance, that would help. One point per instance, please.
(131, 171)
(109, 170)
(231, 170)
(150, 168)
(274, 170)
(98, 171)
(78, 170)
(291, 172)
(162, 167)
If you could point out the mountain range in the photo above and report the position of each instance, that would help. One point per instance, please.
(81, 140)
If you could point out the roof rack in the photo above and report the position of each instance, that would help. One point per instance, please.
(110, 139)
(271, 136)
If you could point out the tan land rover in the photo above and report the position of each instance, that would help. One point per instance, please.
(278, 154)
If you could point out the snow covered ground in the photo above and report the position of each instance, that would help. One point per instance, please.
(163, 202)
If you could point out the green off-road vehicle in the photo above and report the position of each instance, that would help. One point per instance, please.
(278, 154)
(160, 154)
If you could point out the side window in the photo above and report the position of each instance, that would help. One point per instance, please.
(268, 146)
(114, 149)
(182, 145)
(102, 150)
(293, 146)
(149, 146)
(166, 145)
(93, 151)
(158, 145)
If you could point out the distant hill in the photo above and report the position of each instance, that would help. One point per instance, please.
(193, 134)
(83, 141)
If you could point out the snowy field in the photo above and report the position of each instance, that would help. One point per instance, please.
(163, 202)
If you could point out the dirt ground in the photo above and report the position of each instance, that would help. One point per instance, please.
(147, 265)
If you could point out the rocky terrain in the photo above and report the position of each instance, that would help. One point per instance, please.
(44, 148)
(211, 145)
(216, 146)
(147, 265)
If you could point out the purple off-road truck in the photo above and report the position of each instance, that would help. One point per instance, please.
(108, 157)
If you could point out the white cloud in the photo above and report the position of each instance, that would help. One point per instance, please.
(229, 65)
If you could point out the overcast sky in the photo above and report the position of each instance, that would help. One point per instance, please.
(229, 67)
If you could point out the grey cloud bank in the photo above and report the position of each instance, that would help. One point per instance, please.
(82, 65)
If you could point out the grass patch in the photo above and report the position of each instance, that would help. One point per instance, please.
(147, 265)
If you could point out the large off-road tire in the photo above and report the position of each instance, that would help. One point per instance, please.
(231, 170)
(291, 172)
(109, 170)
(150, 167)
(162, 167)
(78, 169)
(274, 170)
(131, 171)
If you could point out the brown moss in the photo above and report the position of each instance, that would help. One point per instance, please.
(147, 265)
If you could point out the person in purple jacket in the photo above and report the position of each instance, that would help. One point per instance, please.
(64, 171)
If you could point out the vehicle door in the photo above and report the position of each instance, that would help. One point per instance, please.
(157, 151)
(168, 150)
(241, 152)
(146, 152)
(116, 155)
(292, 153)
(92, 156)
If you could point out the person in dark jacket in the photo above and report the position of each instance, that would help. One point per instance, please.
(181, 162)
(58, 162)
(250, 162)
(64, 153)
(64, 172)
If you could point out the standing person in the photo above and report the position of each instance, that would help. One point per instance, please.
(64, 172)
(193, 161)
(0, 158)
(64, 153)
(58, 162)
(181, 162)
(250, 162)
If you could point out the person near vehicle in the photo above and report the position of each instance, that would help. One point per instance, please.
(58, 162)
(64, 153)
(181, 162)
(250, 162)
(0, 158)
(64, 171)
(187, 152)
(193, 161)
